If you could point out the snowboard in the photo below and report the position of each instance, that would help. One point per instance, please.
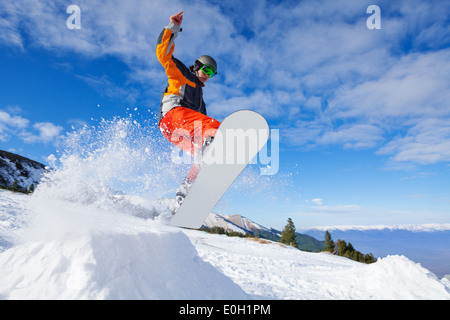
(238, 140)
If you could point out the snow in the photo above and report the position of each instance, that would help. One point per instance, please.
(274, 271)
(99, 265)
(93, 253)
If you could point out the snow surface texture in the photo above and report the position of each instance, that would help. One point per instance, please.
(77, 238)
(111, 255)
(97, 265)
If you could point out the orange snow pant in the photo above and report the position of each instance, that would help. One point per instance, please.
(187, 129)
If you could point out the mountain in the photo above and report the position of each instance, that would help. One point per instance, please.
(14, 167)
(309, 243)
(240, 224)
(243, 225)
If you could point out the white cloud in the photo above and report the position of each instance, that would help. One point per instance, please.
(272, 103)
(12, 121)
(353, 136)
(47, 131)
(10, 124)
(317, 201)
(15, 125)
(106, 87)
(318, 209)
(416, 86)
(426, 142)
(9, 31)
(411, 97)
(338, 209)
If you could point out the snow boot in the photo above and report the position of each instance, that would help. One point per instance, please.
(187, 183)
(183, 190)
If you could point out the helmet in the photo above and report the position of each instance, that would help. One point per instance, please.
(206, 60)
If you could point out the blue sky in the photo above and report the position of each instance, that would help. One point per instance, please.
(363, 115)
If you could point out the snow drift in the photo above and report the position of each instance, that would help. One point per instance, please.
(274, 271)
(152, 265)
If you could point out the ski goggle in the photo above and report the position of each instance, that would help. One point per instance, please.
(208, 70)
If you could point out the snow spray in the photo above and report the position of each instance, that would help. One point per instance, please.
(120, 166)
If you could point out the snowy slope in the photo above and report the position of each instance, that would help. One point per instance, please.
(112, 265)
(59, 249)
(277, 272)
(15, 167)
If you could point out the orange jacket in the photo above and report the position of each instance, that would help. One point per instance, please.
(184, 88)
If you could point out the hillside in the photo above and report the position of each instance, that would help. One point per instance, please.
(229, 223)
(241, 224)
(24, 171)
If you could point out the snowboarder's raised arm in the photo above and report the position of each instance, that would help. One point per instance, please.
(166, 40)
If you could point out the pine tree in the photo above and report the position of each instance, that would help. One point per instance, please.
(369, 258)
(329, 243)
(288, 234)
(15, 185)
(350, 248)
(341, 247)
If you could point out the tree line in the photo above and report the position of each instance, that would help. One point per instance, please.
(341, 248)
(344, 249)
(15, 187)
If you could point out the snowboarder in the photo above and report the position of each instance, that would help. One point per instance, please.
(182, 110)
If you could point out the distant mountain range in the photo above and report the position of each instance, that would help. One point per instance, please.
(427, 244)
(18, 170)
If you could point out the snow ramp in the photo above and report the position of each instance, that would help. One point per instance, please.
(112, 265)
